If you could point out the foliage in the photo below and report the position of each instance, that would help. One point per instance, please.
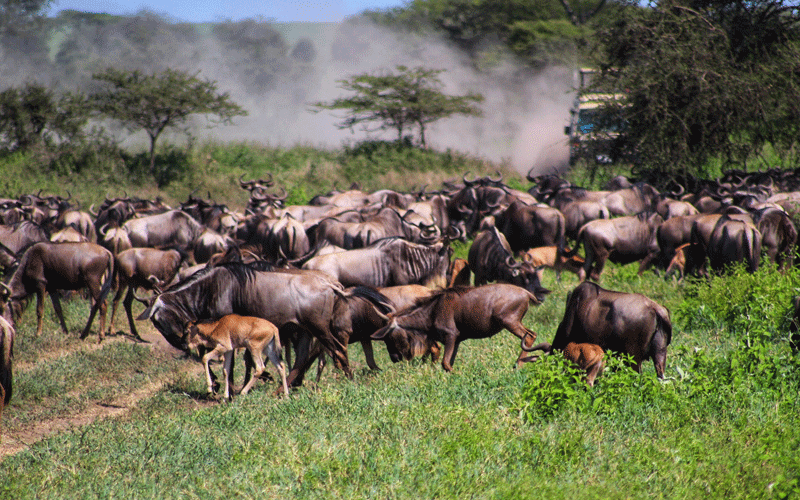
(754, 307)
(702, 79)
(34, 116)
(160, 100)
(410, 98)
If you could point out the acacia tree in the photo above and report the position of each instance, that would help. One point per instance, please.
(411, 98)
(156, 101)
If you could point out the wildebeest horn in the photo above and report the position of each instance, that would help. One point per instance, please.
(466, 182)
(91, 211)
(499, 178)
(284, 194)
(511, 262)
(144, 300)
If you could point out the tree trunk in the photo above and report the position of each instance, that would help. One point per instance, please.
(153, 155)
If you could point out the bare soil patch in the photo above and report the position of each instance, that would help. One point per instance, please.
(11, 443)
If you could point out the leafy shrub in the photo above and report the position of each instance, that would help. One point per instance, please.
(556, 385)
(753, 306)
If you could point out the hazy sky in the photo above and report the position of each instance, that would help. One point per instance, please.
(207, 10)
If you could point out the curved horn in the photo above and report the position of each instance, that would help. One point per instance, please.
(91, 211)
(266, 182)
(499, 179)
(466, 182)
(245, 184)
(284, 194)
(510, 262)
(144, 300)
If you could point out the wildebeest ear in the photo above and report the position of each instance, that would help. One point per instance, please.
(147, 314)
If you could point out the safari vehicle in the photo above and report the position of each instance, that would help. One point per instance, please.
(593, 132)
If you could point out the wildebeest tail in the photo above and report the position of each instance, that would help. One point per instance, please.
(752, 248)
(379, 300)
(663, 327)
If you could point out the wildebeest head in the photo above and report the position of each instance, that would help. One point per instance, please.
(402, 342)
(169, 322)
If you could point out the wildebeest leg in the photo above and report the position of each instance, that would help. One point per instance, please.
(39, 311)
(207, 357)
(258, 360)
(450, 351)
(275, 358)
(227, 370)
(369, 355)
(97, 303)
(214, 384)
(115, 304)
(304, 351)
(59, 312)
(127, 304)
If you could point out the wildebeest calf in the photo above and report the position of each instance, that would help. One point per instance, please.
(231, 332)
(588, 357)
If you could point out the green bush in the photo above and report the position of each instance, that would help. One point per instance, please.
(752, 306)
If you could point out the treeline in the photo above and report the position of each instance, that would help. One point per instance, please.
(705, 84)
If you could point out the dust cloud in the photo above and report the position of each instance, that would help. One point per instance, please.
(524, 113)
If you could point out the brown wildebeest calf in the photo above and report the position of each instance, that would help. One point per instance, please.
(552, 258)
(588, 357)
(231, 332)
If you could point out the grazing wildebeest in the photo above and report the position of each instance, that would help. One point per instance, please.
(490, 259)
(231, 332)
(291, 299)
(629, 323)
(136, 268)
(453, 315)
(553, 258)
(51, 267)
(388, 262)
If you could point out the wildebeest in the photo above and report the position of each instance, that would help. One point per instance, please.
(629, 323)
(174, 228)
(291, 299)
(51, 267)
(136, 268)
(725, 242)
(551, 257)
(388, 262)
(231, 332)
(490, 259)
(453, 315)
(622, 240)
(526, 226)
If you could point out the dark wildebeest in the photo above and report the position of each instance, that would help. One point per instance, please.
(291, 299)
(528, 226)
(51, 267)
(622, 240)
(629, 323)
(490, 259)
(137, 267)
(579, 212)
(670, 235)
(725, 242)
(388, 262)
(453, 315)
(778, 234)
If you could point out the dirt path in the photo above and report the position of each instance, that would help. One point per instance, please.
(22, 439)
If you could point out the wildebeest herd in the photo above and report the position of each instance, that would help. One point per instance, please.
(355, 266)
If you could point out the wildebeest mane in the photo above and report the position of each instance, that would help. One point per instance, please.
(382, 302)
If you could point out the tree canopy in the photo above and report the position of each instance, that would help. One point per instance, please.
(411, 98)
(153, 102)
(704, 78)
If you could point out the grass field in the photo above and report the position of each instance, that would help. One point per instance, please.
(725, 423)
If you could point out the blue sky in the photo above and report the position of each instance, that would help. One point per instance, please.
(203, 10)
